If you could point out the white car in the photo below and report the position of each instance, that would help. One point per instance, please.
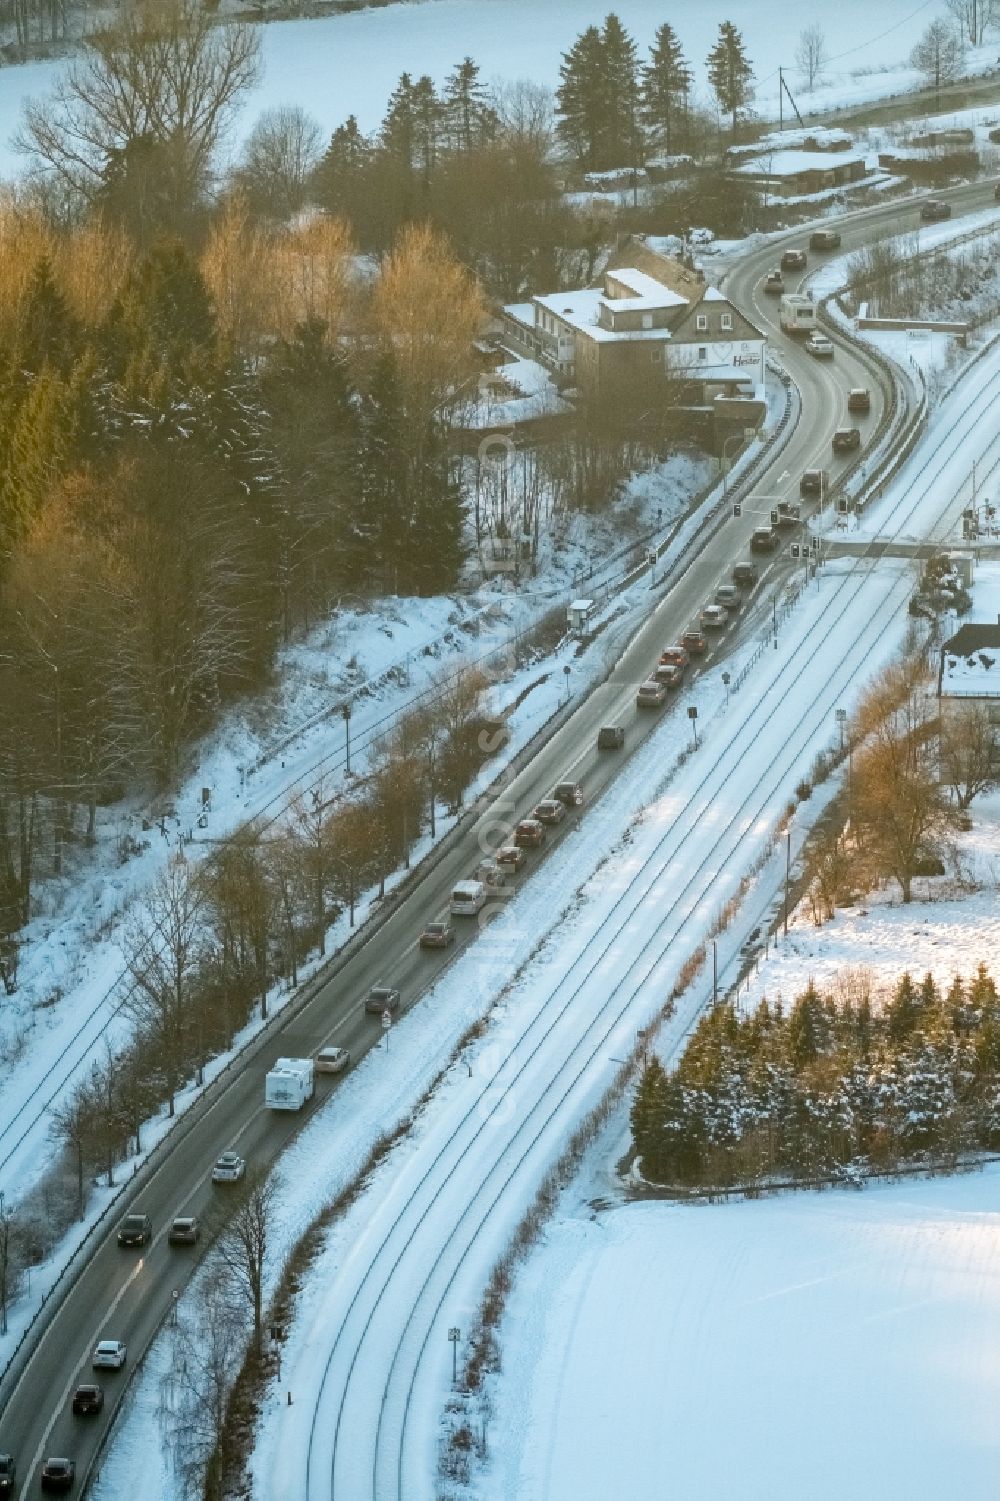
(230, 1168)
(819, 346)
(714, 618)
(109, 1355)
(332, 1060)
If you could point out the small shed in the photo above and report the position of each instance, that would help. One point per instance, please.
(579, 613)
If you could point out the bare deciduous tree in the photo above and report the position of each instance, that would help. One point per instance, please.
(243, 1248)
(811, 54)
(970, 752)
(974, 17)
(70, 1126)
(206, 1346)
(940, 54)
(142, 110)
(280, 155)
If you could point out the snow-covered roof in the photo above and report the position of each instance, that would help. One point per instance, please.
(792, 163)
(712, 294)
(970, 667)
(581, 309)
(649, 292)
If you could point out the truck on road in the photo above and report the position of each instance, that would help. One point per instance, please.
(468, 898)
(289, 1084)
(797, 313)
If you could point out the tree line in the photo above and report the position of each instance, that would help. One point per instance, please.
(206, 943)
(826, 1089)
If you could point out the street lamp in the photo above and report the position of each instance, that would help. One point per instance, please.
(726, 680)
(345, 710)
(566, 670)
(724, 461)
(841, 717)
(454, 1335)
(788, 868)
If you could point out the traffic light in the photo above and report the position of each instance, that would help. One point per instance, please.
(842, 505)
(795, 549)
(737, 508)
(774, 518)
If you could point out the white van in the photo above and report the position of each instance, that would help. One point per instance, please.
(468, 898)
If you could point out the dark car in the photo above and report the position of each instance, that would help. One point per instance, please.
(728, 596)
(382, 998)
(529, 834)
(824, 239)
(933, 211)
(846, 439)
(184, 1231)
(550, 810)
(859, 400)
(762, 539)
(745, 575)
(88, 1400)
(510, 857)
(610, 737)
(135, 1230)
(570, 793)
(695, 641)
(813, 482)
(793, 260)
(437, 935)
(786, 514)
(8, 1474)
(58, 1474)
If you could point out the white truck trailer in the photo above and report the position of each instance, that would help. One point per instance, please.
(289, 1084)
(797, 313)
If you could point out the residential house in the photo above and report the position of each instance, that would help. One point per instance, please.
(797, 174)
(653, 325)
(969, 672)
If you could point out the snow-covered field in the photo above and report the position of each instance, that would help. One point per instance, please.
(350, 64)
(821, 1346)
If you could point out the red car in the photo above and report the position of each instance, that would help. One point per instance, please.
(670, 675)
(695, 642)
(437, 935)
(529, 834)
(674, 656)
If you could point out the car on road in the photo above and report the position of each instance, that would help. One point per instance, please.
(8, 1475)
(490, 874)
(728, 596)
(824, 239)
(674, 656)
(570, 794)
(746, 575)
(763, 539)
(511, 857)
(794, 260)
(332, 1060)
(184, 1231)
(611, 737)
(813, 482)
(109, 1355)
(846, 439)
(774, 283)
(88, 1400)
(933, 210)
(694, 641)
(437, 935)
(529, 834)
(229, 1168)
(135, 1230)
(58, 1474)
(787, 514)
(714, 618)
(651, 695)
(669, 674)
(550, 810)
(859, 399)
(819, 346)
(382, 998)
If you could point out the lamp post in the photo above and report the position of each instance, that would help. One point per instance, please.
(788, 868)
(454, 1335)
(726, 680)
(841, 717)
(566, 674)
(345, 710)
(724, 462)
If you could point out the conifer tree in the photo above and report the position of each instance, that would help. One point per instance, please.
(580, 104)
(339, 178)
(666, 84)
(397, 136)
(468, 118)
(436, 548)
(384, 499)
(730, 72)
(49, 333)
(621, 136)
(903, 1012)
(427, 115)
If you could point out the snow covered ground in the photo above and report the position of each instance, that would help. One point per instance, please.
(825, 1346)
(349, 64)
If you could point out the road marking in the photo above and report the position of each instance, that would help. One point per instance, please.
(74, 1379)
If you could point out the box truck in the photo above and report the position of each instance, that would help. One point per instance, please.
(289, 1084)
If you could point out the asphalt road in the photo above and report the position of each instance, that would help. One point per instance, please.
(125, 1294)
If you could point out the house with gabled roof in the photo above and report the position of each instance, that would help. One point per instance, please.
(969, 672)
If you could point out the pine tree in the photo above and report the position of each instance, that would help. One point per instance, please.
(666, 84)
(437, 519)
(468, 119)
(621, 136)
(49, 333)
(342, 169)
(647, 1115)
(384, 510)
(164, 320)
(397, 137)
(806, 1028)
(730, 72)
(580, 106)
(903, 1012)
(427, 115)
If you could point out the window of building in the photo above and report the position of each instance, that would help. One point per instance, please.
(702, 352)
(647, 320)
(727, 321)
(701, 322)
(654, 355)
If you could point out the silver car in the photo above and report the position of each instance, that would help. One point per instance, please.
(109, 1355)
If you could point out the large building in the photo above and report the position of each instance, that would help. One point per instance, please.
(653, 325)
